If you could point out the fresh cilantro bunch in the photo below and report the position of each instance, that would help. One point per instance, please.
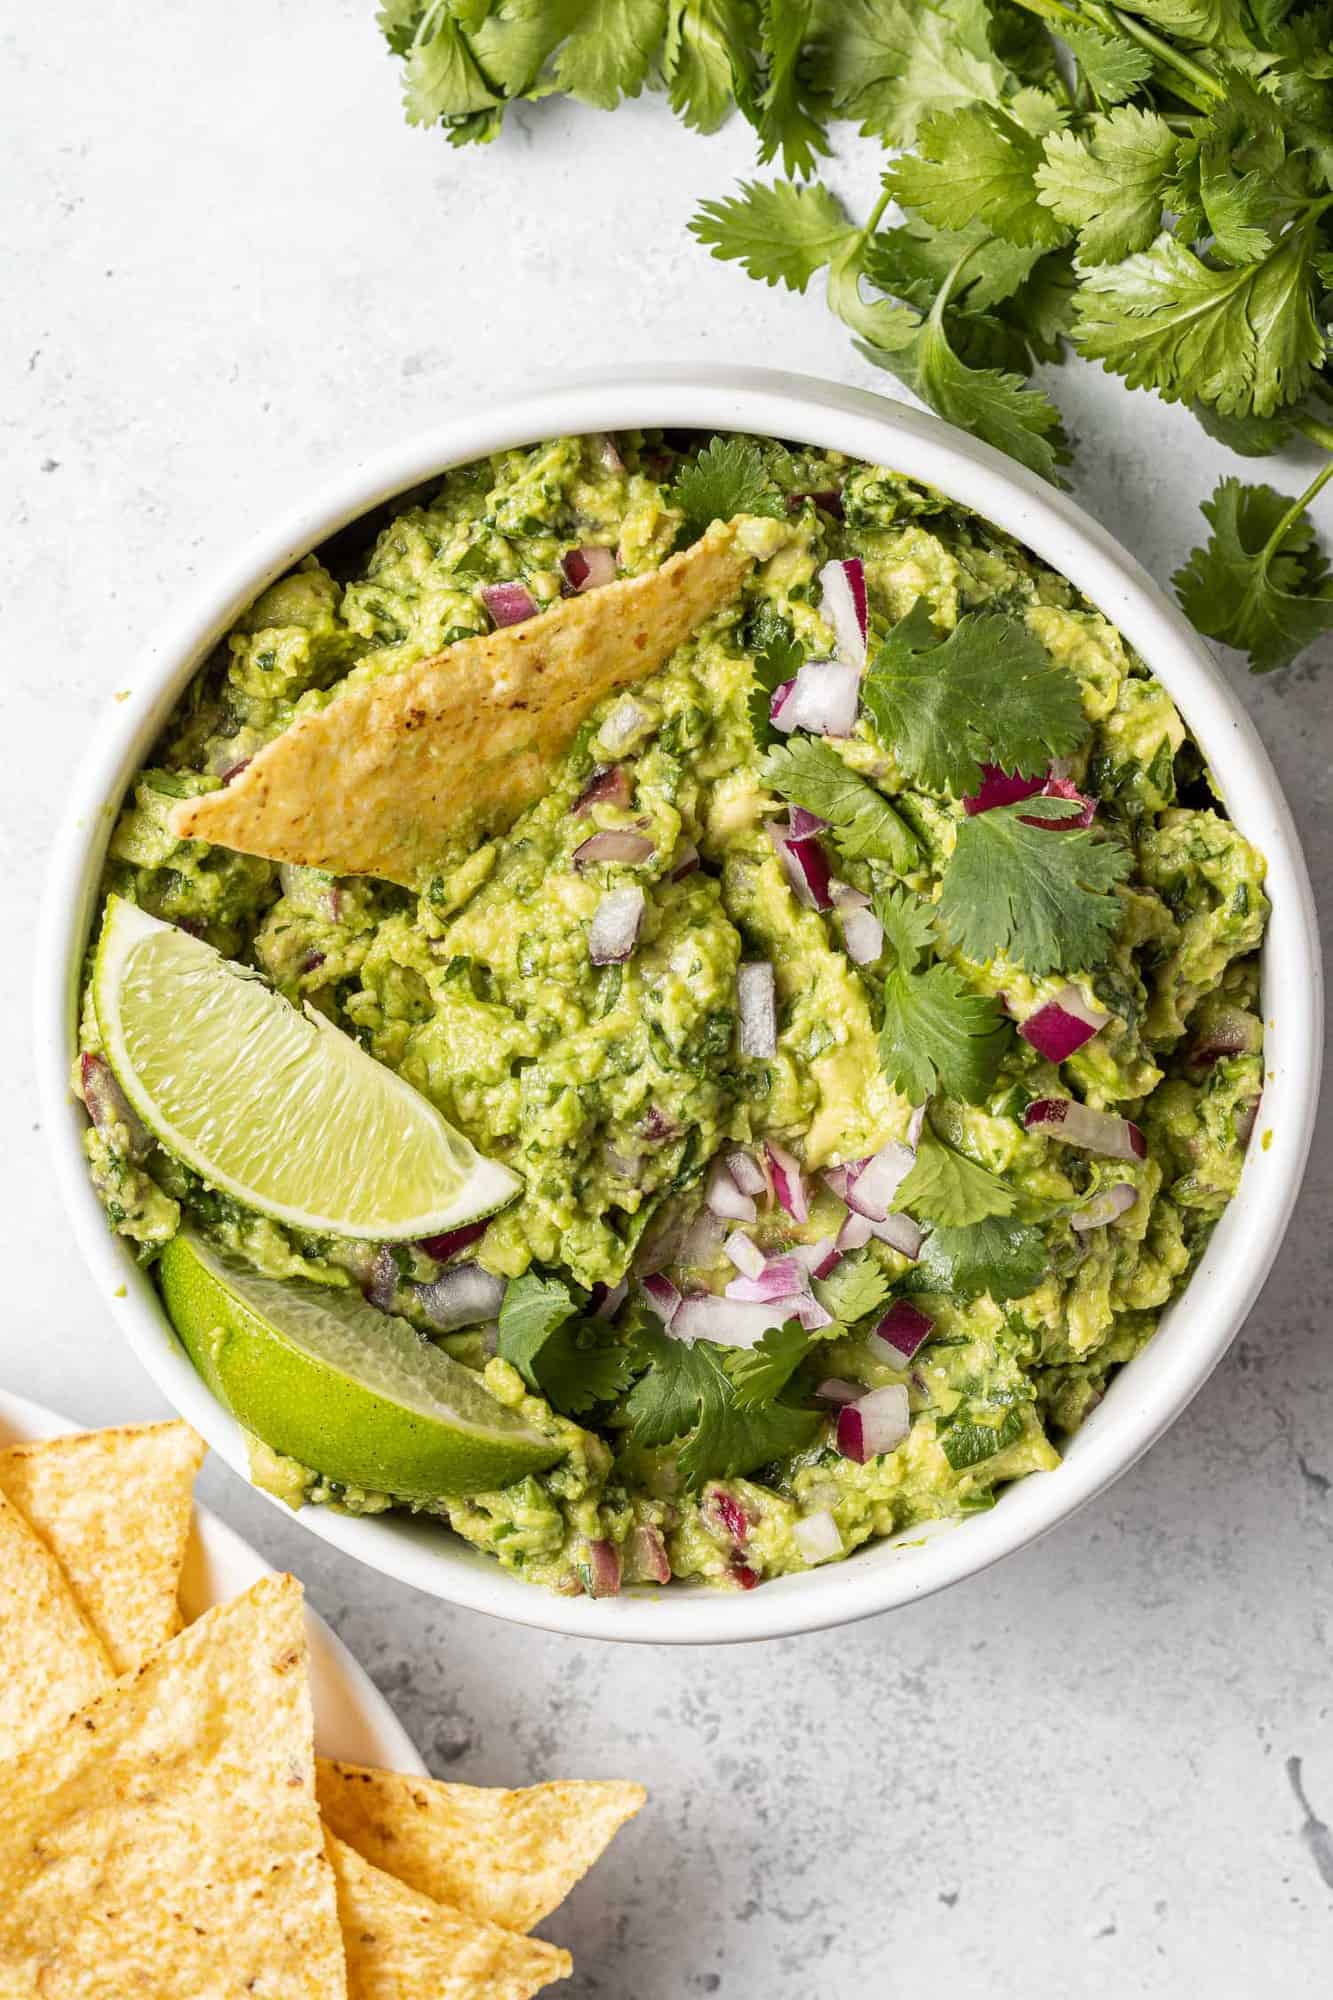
(1149, 185)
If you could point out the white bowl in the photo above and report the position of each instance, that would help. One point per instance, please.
(1146, 1396)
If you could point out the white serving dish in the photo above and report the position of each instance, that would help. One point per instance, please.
(1147, 1396)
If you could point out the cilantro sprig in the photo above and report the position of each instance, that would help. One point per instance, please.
(573, 1361)
(1043, 895)
(728, 477)
(987, 692)
(1150, 187)
(936, 1034)
(866, 826)
(729, 1428)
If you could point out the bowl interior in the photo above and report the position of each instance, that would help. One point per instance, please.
(1146, 1396)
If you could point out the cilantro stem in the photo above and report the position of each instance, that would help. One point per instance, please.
(1190, 80)
(876, 214)
(1317, 433)
(1299, 505)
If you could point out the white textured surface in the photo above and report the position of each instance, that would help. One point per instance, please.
(226, 263)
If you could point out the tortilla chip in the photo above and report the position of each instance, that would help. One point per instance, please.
(402, 1946)
(113, 1507)
(510, 1857)
(398, 768)
(165, 1840)
(51, 1660)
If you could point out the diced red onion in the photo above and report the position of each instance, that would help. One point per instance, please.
(902, 1330)
(877, 1423)
(827, 499)
(1062, 788)
(817, 1537)
(916, 1125)
(999, 788)
(823, 698)
(109, 1108)
(605, 1301)
(380, 1285)
(839, 1179)
(724, 1198)
(1228, 1035)
(625, 1166)
(657, 1126)
(687, 860)
(836, 1391)
(800, 823)
(743, 1576)
(870, 1191)
(806, 1310)
(901, 1234)
(607, 453)
(614, 930)
(855, 1233)
(806, 865)
(460, 1296)
(610, 787)
(757, 1009)
(778, 1278)
(1105, 1207)
(788, 1181)
(1246, 1117)
(744, 1253)
(648, 1561)
(601, 1569)
(1063, 1025)
(746, 1171)
(843, 604)
(702, 1240)
(508, 603)
(778, 703)
(232, 771)
(817, 1258)
(442, 1248)
(1076, 1124)
(847, 898)
(626, 723)
(662, 1296)
(613, 844)
(589, 568)
(727, 1322)
(725, 1516)
(862, 934)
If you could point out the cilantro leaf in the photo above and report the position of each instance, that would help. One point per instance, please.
(1261, 581)
(760, 1373)
(791, 109)
(708, 61)
(913, 261)
(892, 62)
(989, 692)
(442, 83)
(1114, 67)
(727, 478)
(937, 1035)
(1112, 183)
(909, 927)
(854, 1289)
(944, 1186)
(1007, 1259)
(778, 232)
(610, 49)
(990, 402)
(967, 1442)
(777, 656)
(686, 1392)
(573, 1362)
(976, 165)
(1247, 340)
(865, 825)
(1040, 895)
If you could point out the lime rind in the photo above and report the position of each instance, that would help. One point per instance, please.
(274, 1106)
(356, 1395)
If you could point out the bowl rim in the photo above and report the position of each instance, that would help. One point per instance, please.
(1146, 1397)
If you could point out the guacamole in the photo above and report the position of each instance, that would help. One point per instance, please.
(870, 1094)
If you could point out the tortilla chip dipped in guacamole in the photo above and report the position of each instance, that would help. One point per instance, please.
(860, 1009)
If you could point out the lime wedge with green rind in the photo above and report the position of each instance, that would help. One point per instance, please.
(355, 1394)
(274, 1106)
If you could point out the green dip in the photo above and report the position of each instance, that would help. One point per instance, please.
(612, 1089)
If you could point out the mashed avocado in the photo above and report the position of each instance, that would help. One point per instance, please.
(619, 1091)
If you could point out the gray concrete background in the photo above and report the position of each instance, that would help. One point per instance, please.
(1102, 1769)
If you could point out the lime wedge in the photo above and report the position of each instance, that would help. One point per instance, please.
(276, 1107)
(355, 1394)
